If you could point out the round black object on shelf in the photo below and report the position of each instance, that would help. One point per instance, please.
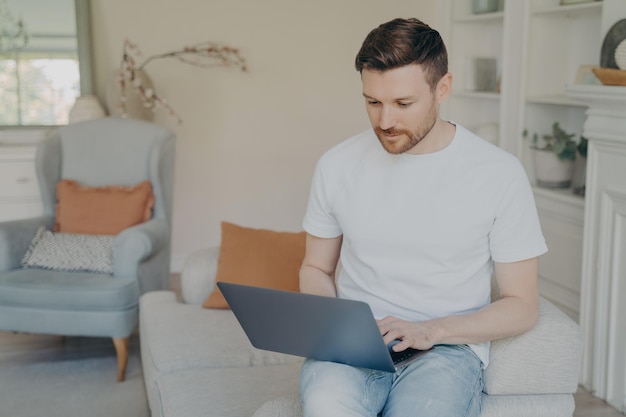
(612, 40)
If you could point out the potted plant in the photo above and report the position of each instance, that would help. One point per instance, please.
(554, 155)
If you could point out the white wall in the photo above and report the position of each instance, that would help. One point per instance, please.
(249, 141)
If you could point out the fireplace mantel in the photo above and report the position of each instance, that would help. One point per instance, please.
(603, 285)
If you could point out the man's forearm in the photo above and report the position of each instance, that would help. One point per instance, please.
(514, 313)
(506, 317)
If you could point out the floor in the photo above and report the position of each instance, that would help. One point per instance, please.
(589, 406)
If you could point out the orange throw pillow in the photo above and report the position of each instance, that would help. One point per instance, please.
(258, 257)
(101, 210)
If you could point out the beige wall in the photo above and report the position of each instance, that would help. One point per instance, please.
(249, 141)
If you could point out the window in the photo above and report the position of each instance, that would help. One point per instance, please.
(40, 77)
(37, 90)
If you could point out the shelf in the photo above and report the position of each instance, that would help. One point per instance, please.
(483, 17)
(23, 135)
(556, 100)
(483, 95)
(569, 10)
(17, 152)
(604, 94)
(563, 195)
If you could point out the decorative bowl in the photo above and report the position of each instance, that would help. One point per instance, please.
(610, 76)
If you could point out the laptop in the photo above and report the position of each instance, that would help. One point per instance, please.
(312, 326)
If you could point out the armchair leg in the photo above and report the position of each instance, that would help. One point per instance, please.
(121, 348)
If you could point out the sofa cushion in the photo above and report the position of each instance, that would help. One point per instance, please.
(176, 338)
(561, 405)
(101, 210)
(538, 405)
(82, 291)
(537, 361)
(259, 257)
(224, 392)
(209, 338)
(70, 252)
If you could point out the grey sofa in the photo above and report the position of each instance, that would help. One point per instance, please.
(198, 362)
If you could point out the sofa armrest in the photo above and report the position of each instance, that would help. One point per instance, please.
(137, 243)
(15, 237)
(544, 360)
(197, 279)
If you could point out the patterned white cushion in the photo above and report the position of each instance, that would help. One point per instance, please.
(70, 252)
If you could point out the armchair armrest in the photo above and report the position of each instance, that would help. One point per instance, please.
(198, 276)
(137, 243)
(15, 237)
(544, 360)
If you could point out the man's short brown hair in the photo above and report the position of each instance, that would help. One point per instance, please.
(401, 42)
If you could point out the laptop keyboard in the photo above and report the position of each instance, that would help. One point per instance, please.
(397, 357)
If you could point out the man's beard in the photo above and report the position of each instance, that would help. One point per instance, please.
(411, 138)
(403, 144)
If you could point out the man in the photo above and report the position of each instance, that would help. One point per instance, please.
(421, 224)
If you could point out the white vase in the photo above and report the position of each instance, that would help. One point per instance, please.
(485, 6)
(552, 172)
(133, 106)
(489, 132)
(85, 108)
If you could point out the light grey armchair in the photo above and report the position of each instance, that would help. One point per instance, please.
(102, 152)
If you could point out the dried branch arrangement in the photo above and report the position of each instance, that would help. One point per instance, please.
(206, 54)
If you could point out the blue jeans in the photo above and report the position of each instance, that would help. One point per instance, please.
(445, 382)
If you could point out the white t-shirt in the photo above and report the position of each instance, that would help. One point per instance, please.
(421, 232)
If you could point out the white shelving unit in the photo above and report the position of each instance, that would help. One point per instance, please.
(559, 39)
(539, 46)
(473, 109)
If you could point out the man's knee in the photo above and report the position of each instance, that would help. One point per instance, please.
(331, 389)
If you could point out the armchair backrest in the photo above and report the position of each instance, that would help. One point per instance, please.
(108, 151)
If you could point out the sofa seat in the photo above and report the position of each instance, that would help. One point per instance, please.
(75, 304)
(198, 362)
(81, 291)
(538, 405)
(224, 392)
(181, 340)
(525, 378)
